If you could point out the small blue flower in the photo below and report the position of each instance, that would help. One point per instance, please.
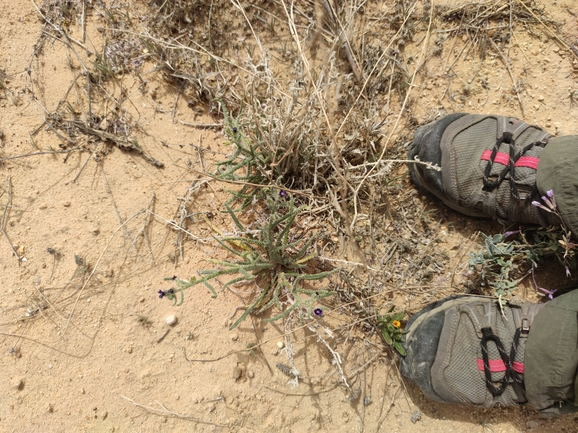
(550, 193)
(318, 312)
(282, 193)
(162, 294)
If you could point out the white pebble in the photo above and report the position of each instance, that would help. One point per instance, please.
(280, 345)
(171, 320)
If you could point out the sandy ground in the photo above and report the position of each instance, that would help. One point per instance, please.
(87, 349)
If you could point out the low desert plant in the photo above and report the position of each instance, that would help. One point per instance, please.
(273, 257)
(390, 325)
(503, 255)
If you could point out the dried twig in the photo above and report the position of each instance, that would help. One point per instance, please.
(514, 85)
(4, 214)
(45, 152)
(121, 142)
(166, 412)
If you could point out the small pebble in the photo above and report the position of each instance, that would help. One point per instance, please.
(280, 345)
(171, 320)
(17, 383)
(416, 416)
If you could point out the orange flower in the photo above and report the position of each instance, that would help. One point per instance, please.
(396, 323)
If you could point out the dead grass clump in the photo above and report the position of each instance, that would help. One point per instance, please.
(63, 13)
(490, 21)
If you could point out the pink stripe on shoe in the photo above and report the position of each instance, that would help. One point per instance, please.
(504, 159)
(498, 366)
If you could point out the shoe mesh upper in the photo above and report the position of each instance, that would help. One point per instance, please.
(468, 145)
(449, 370)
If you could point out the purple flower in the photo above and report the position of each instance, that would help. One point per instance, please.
(548, 200)
(318, 312)
(510, 233)
(162, 294)
(540, 205)
(550, 293)
(282, 193)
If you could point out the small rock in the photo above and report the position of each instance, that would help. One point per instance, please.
(280, 345)
(17, 383)
(250, 374)
(239, 371)
(66, 204)
(416, 416)
(171, 320)
(532, 424)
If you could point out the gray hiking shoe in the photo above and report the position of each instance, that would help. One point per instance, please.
(463, 350)
(488, 166)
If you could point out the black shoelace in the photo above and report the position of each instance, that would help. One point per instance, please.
(510, 376)
(489, 184)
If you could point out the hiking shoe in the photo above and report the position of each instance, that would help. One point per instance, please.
(488, 166)
(465, 350)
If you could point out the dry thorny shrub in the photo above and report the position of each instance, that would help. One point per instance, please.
(322, 90)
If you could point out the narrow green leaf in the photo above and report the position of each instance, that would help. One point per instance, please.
(399, 348)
